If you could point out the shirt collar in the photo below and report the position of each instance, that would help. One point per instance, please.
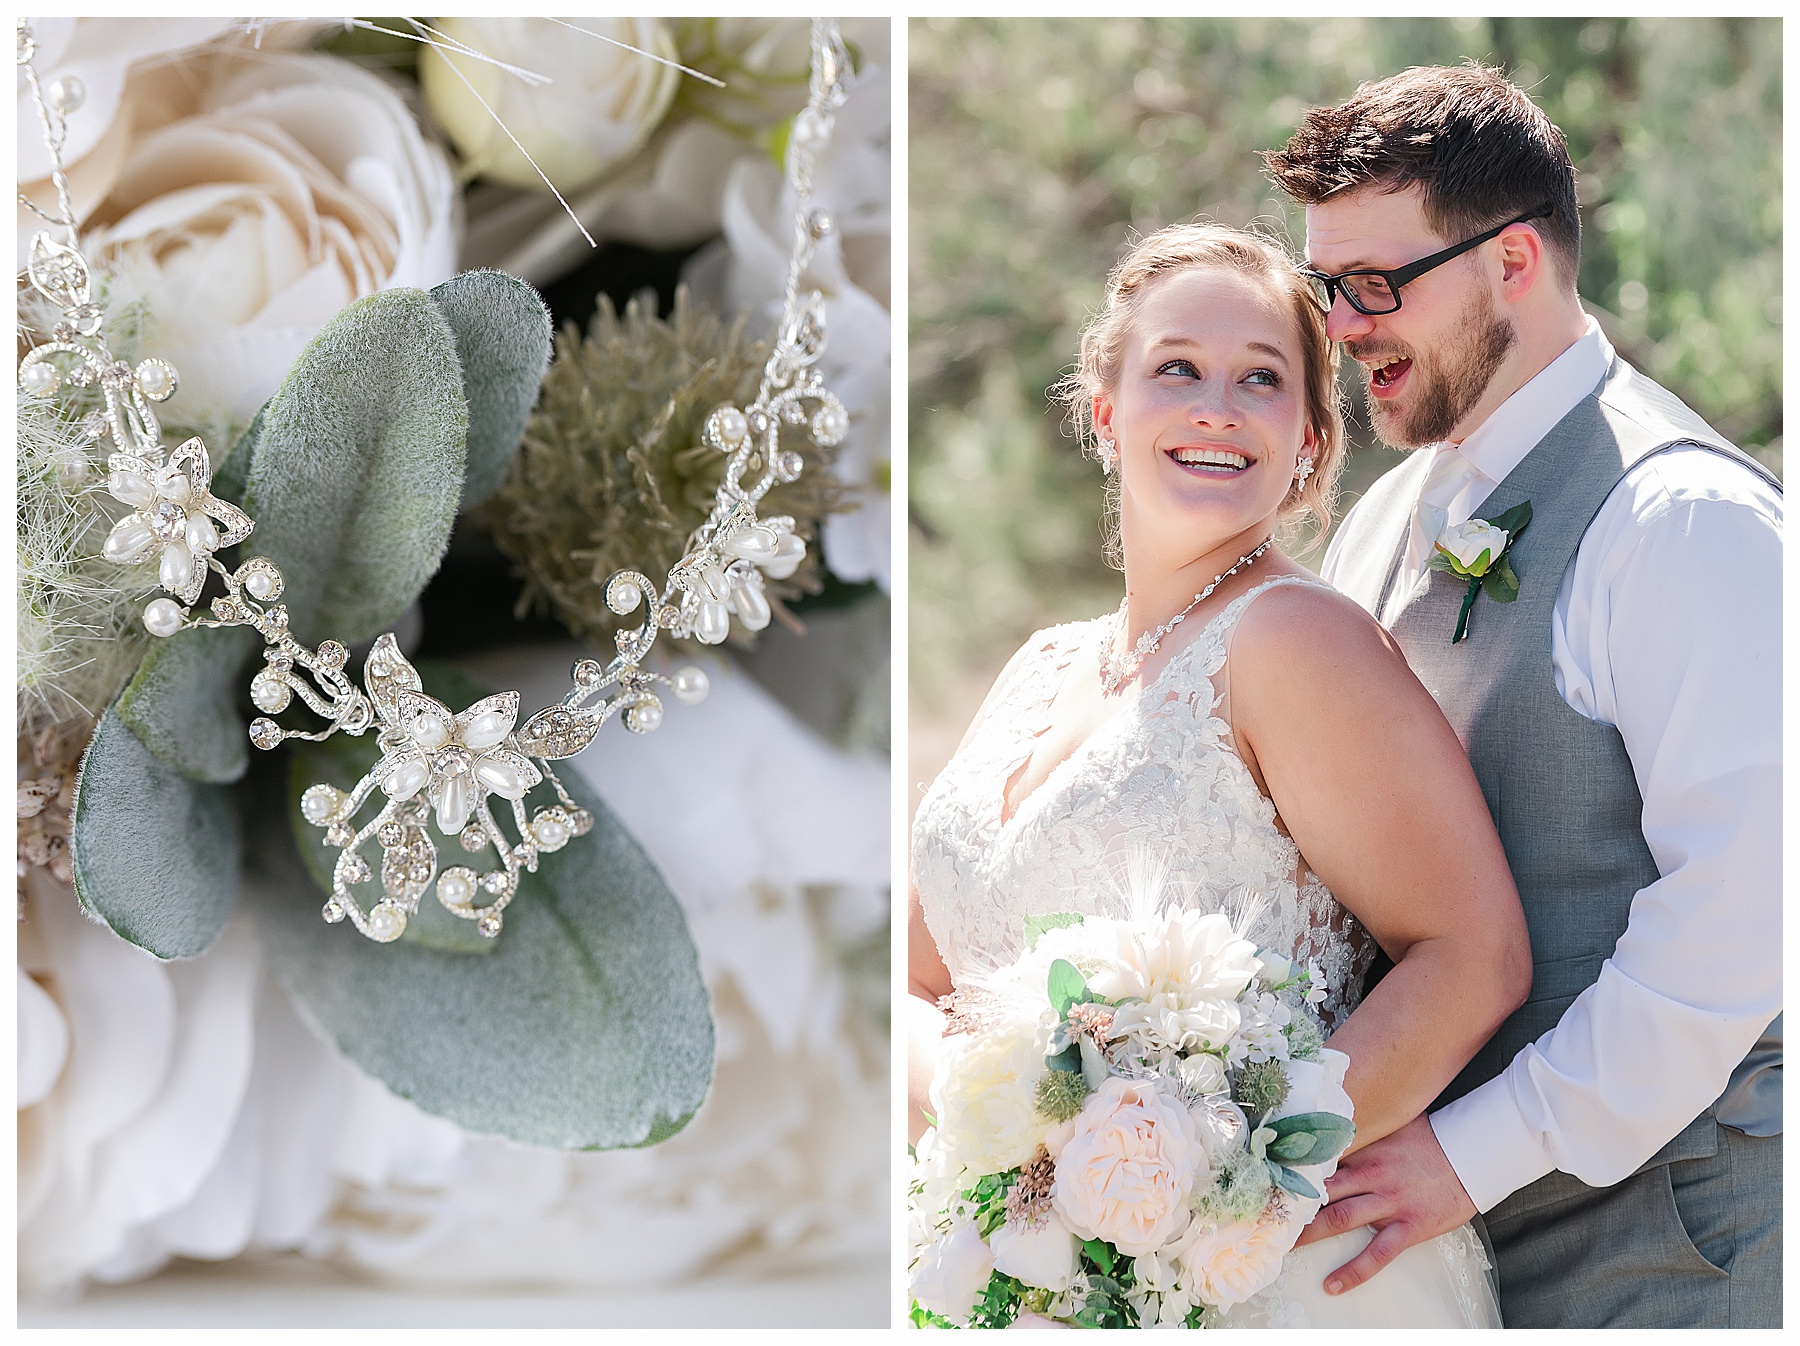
(1500, 443)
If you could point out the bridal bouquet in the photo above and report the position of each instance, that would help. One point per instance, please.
(1134, 1122)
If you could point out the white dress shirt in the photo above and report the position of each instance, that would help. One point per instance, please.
(1667, 626)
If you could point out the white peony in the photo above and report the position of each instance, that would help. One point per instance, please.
(1125, 1173)
(599, 106)
(984, 1096)
(950, 1275)
(1467, 541)
(1045, 1256)
(248, 196)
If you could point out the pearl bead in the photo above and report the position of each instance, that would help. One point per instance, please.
(202, 537)
(644, 718)
(717, 586)
(428, 730)
(386, 923)
(37, 379)
(162, 617)
(753, 544)
(623, 595)
(551, 834)
(455, 888)
(175, 487)
(790, 551)
(820, 224)
(712, 624)
(129, 542)
(406, 780)
(177, 567)
(751, 606)
(503, 778)
(691, 685)
(260, 585)
(730, 425)
(487, 729)
(65, 94)
(811, 131)
(131, 487)
(456, 801)
(155, 379)
(319, 805)
(830, 425)
(269, 693)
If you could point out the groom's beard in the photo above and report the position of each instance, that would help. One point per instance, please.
(1448, 382)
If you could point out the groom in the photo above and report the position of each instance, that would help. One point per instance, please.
(1621, 1133)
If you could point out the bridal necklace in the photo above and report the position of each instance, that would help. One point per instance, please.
(436, 765)
(1115, 675)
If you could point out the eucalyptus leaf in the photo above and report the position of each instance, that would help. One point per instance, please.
(503, 341)
(1290, 1181)
(155, 854)
(182, 702)
(355, 475)
(585, 1026)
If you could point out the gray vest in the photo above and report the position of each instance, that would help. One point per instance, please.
(1560, 787)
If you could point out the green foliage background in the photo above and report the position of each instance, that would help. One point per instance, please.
(1036, 144)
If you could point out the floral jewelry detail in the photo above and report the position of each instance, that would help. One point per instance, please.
(1114, 675)
(1302, 471)
(1477, 551)
(1109, 454)
(439, 767)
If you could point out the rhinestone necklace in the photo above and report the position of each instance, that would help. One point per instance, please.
(1114, 676)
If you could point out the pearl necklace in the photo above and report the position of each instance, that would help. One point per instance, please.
(1114, 676)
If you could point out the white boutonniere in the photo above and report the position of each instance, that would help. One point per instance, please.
(1477, 551)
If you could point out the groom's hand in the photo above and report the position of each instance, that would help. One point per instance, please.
(1403, 1187)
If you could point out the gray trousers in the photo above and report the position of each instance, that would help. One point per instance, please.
(1695, 1242)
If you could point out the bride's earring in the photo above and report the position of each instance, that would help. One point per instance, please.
(1302, 471)
(1109, 454)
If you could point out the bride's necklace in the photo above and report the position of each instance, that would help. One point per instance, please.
(1115, 675)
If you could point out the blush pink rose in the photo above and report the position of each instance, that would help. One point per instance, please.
(1125, 1172)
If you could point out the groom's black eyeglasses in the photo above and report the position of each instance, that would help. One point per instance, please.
(1373, 292)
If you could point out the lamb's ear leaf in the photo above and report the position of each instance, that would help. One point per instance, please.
(231, 472)
(586, 1025)
(182, 702)
(503, 341)
(355, 475)
(155, 854)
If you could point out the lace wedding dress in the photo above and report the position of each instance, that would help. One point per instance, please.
(1161, 782)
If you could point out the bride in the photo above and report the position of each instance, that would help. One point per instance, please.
(1242, 725)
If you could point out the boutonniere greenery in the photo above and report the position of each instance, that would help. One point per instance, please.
(1476, 551)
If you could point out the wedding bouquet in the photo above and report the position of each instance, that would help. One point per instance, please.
(1133, 1123)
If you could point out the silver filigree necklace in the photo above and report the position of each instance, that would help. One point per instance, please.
(1115, 675)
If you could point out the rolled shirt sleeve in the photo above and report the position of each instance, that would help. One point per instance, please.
(1669, 627)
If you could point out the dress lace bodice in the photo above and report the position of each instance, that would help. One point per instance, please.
(1158, 786)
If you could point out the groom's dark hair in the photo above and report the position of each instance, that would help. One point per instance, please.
(1474, 142)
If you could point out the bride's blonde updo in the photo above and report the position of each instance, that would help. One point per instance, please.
(1180, 247)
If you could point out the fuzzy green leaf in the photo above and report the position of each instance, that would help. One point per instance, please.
(230, 474)
(182, 702)
(355, 476)
(155, 854)
(1288, 1180)
(586, 1024)
(503, 341)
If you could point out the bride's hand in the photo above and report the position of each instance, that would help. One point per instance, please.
(1402, 1186)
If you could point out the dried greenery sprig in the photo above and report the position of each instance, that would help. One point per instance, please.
(612, 472)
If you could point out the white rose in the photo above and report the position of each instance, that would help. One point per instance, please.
(1126, 1172)
(260, 193)
(1467, 541)
(1229, 1263)
(1045, 1257)
(951, 1274)
(984, 1096)
(1201, 1075)
(600, 105)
